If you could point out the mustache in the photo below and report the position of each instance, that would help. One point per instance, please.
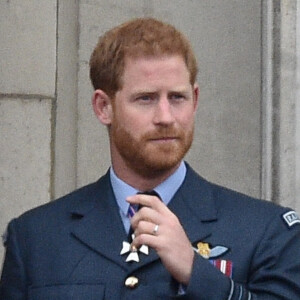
(163, 133)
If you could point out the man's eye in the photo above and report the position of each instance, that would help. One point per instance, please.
(145, 98)
(177, 97)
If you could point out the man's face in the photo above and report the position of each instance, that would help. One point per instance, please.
(153, 115)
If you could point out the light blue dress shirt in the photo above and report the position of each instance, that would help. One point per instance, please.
(166, 190)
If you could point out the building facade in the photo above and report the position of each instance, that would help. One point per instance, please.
(247, 130)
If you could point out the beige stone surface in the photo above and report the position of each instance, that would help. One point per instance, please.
(25, 158)
(286, 185)
(28, 47)
(297, 154)
(65, 137)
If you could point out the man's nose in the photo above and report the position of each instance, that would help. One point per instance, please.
(163, 114)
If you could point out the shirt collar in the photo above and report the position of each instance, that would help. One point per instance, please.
(166, 189)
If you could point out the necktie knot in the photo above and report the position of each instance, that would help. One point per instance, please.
(151, 193)
(133, 208)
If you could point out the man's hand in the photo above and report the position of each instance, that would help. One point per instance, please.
(169, 241)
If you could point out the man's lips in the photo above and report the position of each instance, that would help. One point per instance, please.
(164, 139)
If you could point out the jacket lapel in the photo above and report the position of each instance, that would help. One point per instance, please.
(194, 206)
(99, 224)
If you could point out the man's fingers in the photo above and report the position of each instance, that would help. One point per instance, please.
(145, 214)
(145, 227)
(148, 239)
(145, 200)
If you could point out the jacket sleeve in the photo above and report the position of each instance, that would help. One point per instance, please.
(274, 271)
(12, 284)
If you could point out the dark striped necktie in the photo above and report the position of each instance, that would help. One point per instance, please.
(133, 208)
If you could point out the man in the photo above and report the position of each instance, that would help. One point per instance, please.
(190, 239)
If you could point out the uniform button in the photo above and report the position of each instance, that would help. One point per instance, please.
(131, 282)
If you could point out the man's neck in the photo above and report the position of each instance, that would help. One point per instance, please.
(140, 182)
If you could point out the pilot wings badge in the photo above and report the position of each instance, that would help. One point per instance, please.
(206, 252)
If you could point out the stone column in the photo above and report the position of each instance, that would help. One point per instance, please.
(297, 109)
(280, 103)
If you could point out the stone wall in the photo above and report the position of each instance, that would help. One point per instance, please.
(27, 98)
(247, 134)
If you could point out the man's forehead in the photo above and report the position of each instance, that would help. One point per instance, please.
(135, 59)
(148, 66)
(141, 71)
(152, 90)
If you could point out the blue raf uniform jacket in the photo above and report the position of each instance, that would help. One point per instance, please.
(70, 249)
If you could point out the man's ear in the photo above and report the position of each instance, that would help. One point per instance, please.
(196, 91)
(102, 107)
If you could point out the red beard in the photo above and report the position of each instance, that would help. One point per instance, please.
(147, 156)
